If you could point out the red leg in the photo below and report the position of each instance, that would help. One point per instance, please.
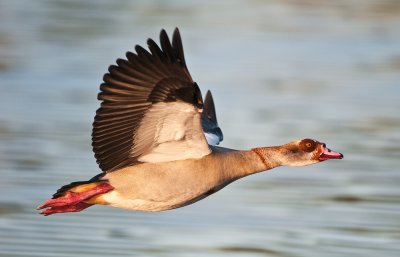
(73, 201)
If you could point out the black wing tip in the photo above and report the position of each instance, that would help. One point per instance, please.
(170, 49)
(139, 48)
(209, 96)
(176, 33)
(164, 35)
(209, 107)
(173, 48)
(151, 42)
(164, 31)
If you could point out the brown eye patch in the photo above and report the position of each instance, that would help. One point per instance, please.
(308, 145)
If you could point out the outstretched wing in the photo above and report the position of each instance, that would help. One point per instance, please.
(209, 121)
(150, 110)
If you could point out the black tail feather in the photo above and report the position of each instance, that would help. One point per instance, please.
(65, 188)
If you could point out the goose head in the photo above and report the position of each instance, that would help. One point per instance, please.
(306, 152)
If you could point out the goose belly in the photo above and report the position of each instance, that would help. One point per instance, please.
(160, 187)
(115, 199)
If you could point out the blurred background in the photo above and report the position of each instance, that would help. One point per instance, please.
(279, 70)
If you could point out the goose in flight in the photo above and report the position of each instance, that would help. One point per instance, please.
(155, 139)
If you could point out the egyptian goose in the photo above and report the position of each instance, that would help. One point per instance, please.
(155, 139)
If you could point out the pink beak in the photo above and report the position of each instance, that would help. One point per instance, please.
(328, 154)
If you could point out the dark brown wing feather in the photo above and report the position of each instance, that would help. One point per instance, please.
(129, 90)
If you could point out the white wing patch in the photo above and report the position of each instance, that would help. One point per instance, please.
(211, 138)
(170, 131)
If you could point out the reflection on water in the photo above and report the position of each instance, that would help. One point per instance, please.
(279, 70)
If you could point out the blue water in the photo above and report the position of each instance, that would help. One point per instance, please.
(279, 70)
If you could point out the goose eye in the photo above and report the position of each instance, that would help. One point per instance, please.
(307, 145)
